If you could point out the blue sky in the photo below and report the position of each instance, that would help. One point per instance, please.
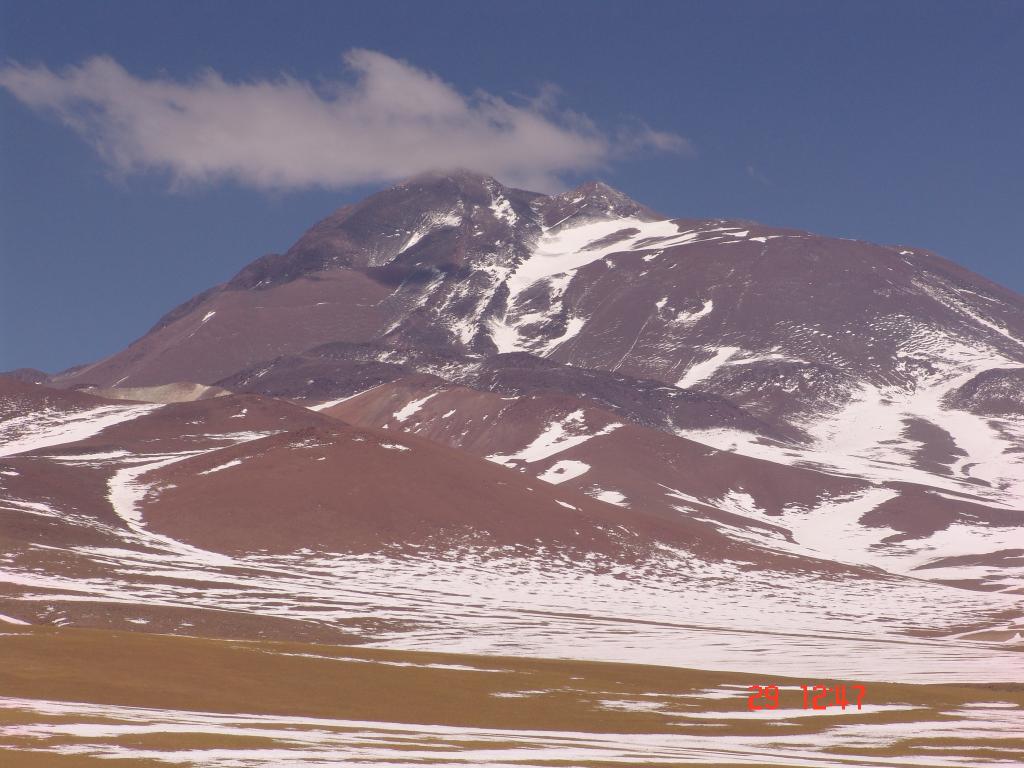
(896, 122)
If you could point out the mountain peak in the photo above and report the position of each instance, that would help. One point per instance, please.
(448, 189)
(595, 196)
(459, 177)
(593, 200)
(597, 187)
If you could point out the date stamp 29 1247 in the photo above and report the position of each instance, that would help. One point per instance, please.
(814, 697)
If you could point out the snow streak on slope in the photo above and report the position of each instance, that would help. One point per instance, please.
(834, 522)
(833, 530)
(671, 608)
(560, 251)
(700, 371)
(45, 428)
(953, 298)
(338, 401)
(675, 610)
(558, 436)
(431, 223)
(870, 427)
(982, 463)
(865, 437)
(564, 470)
(411, 407)
(120, 732)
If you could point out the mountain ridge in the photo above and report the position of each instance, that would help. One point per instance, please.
(468, 417)
(478, 285)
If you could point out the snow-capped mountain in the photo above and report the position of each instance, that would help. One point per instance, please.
(779, 320)
(455, 413)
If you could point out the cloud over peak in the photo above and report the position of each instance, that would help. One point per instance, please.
(386, 121)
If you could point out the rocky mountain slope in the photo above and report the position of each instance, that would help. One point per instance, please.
(449, 266)
(466, 416)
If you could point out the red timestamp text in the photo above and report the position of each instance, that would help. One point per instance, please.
(814, 696)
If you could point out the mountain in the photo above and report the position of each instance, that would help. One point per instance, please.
(458, 415)
(457, 265)
(888, 366)
(444, 271)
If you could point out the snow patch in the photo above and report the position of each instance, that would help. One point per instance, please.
(698, 372)
(610, 497)
(687, 319)
(567, 469)
(332, 403)
(219, 467)
(43, 429)
(431, 223)
(412, 406)
(558, 436)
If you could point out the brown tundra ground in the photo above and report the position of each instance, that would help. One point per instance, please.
(77, 697)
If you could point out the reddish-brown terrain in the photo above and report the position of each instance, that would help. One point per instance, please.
(458, 415)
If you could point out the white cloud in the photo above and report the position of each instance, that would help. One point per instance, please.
(387, 121)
